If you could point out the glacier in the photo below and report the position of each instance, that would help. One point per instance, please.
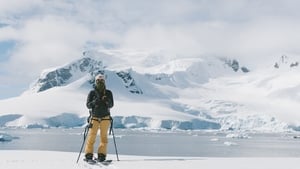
(207, 93)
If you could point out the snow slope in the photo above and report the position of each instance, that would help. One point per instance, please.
(158, 92)
(16, 159)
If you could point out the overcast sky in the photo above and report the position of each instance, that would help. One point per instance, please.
(38, 34)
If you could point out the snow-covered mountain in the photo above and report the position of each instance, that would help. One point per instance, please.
(67, 74)
(155, 91)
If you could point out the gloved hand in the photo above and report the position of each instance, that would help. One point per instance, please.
(105, 99)
(93, 103)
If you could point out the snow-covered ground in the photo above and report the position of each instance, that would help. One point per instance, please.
(16, 159)
(188, 94)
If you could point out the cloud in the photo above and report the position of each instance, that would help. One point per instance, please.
(16, 6)
(50, 33)
(46, 42)
(256, 39)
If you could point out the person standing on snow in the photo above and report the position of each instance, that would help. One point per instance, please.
(99, 101)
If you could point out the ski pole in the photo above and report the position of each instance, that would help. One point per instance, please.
(86, 130)
(112, 131)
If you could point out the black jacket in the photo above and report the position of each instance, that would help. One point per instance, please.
(100, 103)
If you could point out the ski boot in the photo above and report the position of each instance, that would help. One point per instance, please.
(89, 158)
(101, 157)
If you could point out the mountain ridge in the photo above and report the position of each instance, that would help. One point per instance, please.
(190, 93)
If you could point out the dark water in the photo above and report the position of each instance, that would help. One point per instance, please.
(160, 143)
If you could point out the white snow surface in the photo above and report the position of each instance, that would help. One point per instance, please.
(20, 159)
(201, 91)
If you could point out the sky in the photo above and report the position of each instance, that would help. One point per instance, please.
(39, 34)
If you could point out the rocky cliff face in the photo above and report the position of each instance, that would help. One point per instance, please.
(235, 65)
(129, 82)
(284, 61)
(67, 74)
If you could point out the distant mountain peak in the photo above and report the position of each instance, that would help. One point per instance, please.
(235, 65)
(67, 74)
(285, 61)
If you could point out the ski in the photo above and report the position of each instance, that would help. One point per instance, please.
(96, 162)
(105, 162)
(90, 161)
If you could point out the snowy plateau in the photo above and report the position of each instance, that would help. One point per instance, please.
(159, 92)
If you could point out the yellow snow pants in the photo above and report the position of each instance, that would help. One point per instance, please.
(103, 124)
